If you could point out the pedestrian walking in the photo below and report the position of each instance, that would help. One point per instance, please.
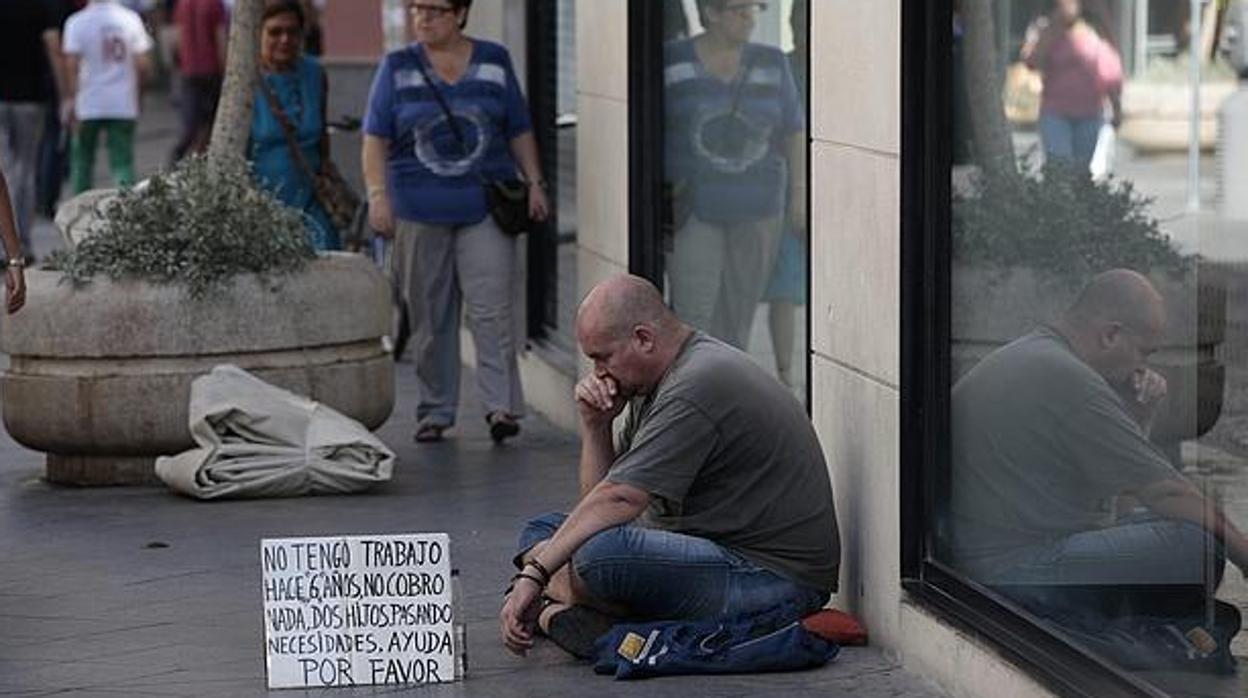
(200, 28)
(29, 56)
(445, 115)
(107, 58)
(289, 139)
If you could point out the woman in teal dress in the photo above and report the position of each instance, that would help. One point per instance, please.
(297, 84)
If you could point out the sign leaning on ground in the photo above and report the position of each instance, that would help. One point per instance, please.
(358, 610)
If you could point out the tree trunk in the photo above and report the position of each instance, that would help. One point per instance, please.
(232, 127)
(990, 132)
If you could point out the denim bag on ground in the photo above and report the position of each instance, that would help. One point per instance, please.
(770, 641)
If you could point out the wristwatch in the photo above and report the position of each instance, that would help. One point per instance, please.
(15, 262)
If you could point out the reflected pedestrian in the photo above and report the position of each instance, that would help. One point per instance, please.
(1082, 75)
(736, 164)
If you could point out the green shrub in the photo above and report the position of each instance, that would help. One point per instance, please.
(196, 225)
(1057, 219)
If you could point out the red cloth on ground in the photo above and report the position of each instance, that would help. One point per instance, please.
(837, 626)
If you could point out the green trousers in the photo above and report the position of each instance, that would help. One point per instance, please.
(119, 134)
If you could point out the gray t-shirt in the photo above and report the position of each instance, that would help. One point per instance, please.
(729, 455)
(1040, 445)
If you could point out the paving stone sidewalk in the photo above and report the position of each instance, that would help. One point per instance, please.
(135, 591)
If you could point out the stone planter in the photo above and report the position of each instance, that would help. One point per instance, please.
(1156, 116)
(991, 307)
(99, 376)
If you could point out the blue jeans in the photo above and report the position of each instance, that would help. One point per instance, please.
(1158, 562)
(1073, 140)
(663, 575)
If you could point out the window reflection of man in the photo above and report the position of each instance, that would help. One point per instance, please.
(735, 140)
(1046, 433)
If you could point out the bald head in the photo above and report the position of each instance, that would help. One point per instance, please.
(1118, 320)
(632, 338)
(617, 305)
(1118, 295)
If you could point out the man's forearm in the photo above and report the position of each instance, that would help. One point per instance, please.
(607, 505)
(597, 453)
(1181, 501)
(52, 47)
(71, 78)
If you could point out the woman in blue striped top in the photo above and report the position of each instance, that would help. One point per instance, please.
(735, 155)
(424, 178)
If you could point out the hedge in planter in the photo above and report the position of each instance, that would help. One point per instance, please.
(193, 269)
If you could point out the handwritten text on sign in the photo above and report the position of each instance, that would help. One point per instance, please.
(357, 610)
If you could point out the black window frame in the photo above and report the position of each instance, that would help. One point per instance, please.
(541, 61)
(926, 160)
(646, 157)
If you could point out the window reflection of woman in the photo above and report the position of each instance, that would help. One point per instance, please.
(736, 144)
(297, 84)
(423, 173)
(1081, 71)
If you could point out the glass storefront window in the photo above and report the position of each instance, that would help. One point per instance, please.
(735, 148)
(1098, 408)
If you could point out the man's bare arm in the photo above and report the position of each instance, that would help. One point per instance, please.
(1178, 499)
(72, 61)
(56, 61)
(599, 403)
(608, 504)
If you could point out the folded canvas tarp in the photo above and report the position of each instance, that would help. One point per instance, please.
(257, 440)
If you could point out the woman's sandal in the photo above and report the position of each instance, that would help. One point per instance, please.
(429, 433)
(502, 426)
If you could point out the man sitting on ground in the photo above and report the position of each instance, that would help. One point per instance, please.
(1048, 434)
(715, 502)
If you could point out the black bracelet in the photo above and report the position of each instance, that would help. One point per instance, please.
(523, 575)
(541, 569)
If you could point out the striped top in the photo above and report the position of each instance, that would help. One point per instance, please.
(727, 139)
(431, 177)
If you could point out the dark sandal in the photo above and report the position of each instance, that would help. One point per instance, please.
(576, 628)
(502, 426)
(429, 433)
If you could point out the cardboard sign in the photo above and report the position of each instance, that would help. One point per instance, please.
(358, 610)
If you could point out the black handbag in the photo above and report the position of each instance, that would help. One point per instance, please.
(506, 199)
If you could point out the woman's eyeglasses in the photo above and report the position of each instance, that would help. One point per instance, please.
(434, 11)
(745, 9)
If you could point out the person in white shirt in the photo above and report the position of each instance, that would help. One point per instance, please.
(107, 57)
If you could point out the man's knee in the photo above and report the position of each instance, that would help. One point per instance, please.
(537, 530)
(607, 547)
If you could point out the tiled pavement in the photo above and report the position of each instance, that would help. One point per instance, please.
(136, 592)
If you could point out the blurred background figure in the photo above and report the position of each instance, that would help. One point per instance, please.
(290, 104)
(735, 160)
(201, 28)
(313, 35)
(29, 77)
(787, 288)
(107, 58)
(53, 163)
(1082, 74)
